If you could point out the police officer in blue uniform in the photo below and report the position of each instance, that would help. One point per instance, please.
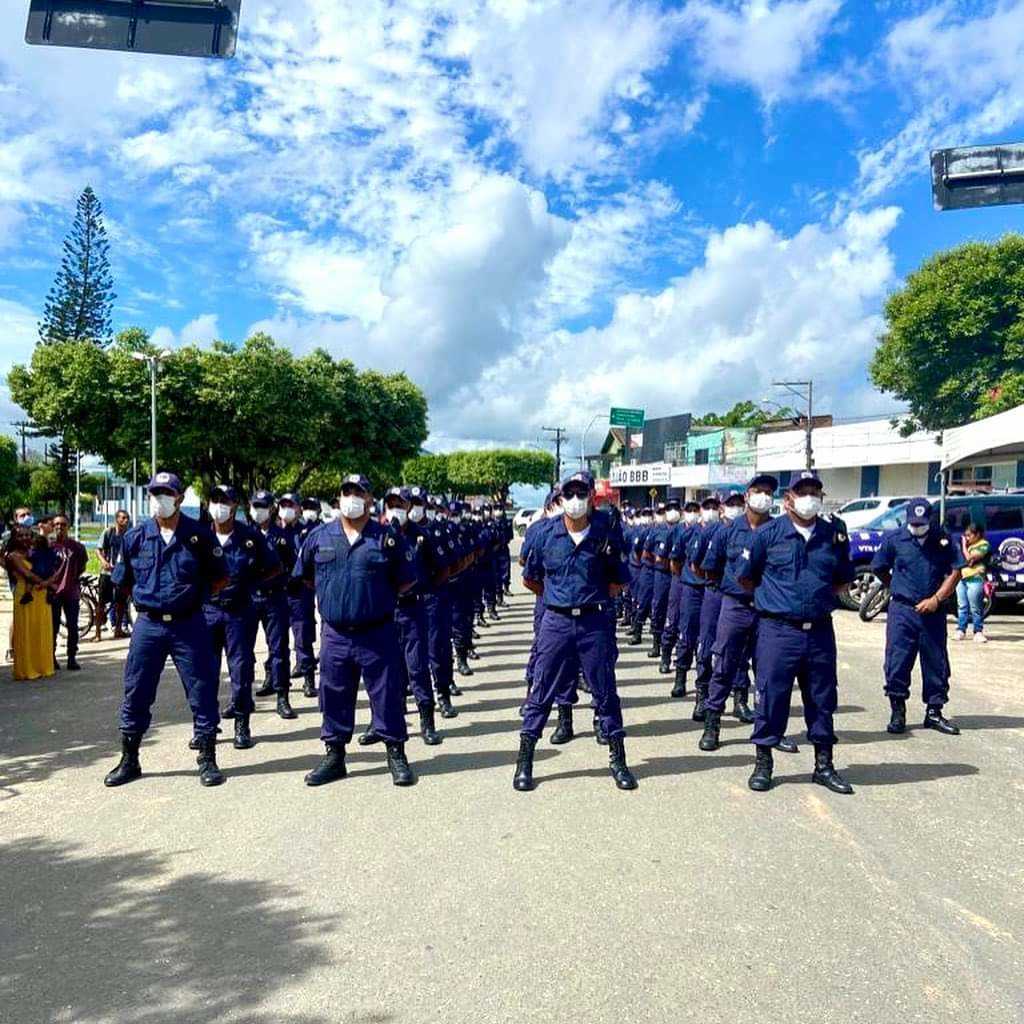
(506, 535)
(229, 613)
(797, 565)
(359, 568)
(301, 603)
(711, 511)
(656, 556)
(641, 578)
(462, 584)
(921, 565)
(577, 566)
(691, 602)
(171, 564)
(423, 515)
(270, 599)
(678, 542)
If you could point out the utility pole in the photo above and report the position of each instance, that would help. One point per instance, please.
(559, 433)
(23, 427)
(794, 387)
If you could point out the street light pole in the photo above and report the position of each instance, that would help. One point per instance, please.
(583, 436)
(152, 359)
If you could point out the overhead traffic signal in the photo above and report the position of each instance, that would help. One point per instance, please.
(973, 176)
(187, 28)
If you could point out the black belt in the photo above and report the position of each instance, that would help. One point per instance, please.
(408, 600)
(578, 610)
(361, 627)
(804, 624)
(152, 613)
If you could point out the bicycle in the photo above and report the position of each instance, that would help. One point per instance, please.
(877, 597)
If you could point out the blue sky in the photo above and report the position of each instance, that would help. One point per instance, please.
(537, 209)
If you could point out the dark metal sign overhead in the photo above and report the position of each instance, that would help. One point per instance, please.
(187, 28)
(973, 176)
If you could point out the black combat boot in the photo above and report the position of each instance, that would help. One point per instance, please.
(370, 737)
(563, 732)
(266, 688)
(492, 611)
(128, 768)
(740, 707)
(679, 687)
(401, 773)
(73, 665)
(898, 717)
(428, 729)
(825, 773)
(699, 711)
(462, 666)
(331, 766)
(623, 777)
(523, 779)
(655, 651)
(787, 746)
(712, 726)
(228, 713)
(473, 654)
(761, 777)
(209, 773)
(296, 672)
(444, 705)
(933, 719)
(665, 665)
(481, 621)
(309, 683)
(284, 706)
(599, 734)
(637, 635)
(243, 737)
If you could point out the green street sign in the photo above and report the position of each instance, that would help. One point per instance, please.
(631, 418)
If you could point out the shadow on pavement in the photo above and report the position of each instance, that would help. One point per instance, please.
(120, 938)
(893, 773)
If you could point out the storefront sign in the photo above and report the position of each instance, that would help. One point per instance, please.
(649, 474)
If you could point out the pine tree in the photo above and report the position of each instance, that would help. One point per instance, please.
(78, 307)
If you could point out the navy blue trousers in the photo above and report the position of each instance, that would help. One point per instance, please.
(373, 654)
(188, 644)
(565, 644)
(461, 590)
(569, 694)
(272, 614)
(691, 600)
(302, 615)
(670, 634)
(438, 607)
(734, 645)
(644, 593)
(234, 633)
(411, 620)
(909, 635)
(709, 609)
(788, 652)
(69, 608)
(661, 582)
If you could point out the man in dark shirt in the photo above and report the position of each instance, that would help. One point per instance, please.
(65, 590)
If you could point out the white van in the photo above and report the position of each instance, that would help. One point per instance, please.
(861, 511)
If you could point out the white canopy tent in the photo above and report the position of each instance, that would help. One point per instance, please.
(1002, 434)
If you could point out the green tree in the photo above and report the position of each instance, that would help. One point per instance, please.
(953, 348)
(10, 477)
(743, 414)
(494, 471)
(429, 471)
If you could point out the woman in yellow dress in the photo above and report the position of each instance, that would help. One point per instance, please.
(33, 623)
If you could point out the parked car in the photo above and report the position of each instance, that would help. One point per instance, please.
(521, 520)
(861, 511)
(1002, 515)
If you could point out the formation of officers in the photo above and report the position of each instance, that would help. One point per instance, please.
(725, 589)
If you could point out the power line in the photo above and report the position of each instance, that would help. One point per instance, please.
(559, 433)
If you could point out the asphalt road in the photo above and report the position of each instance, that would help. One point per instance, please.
(461, 900)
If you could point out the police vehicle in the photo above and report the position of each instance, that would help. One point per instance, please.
(1002, 515)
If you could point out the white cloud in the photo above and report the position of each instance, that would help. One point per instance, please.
(201, 331)
(758, 43)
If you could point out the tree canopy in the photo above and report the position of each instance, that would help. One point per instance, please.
(953, 348)
(253, 415)
(488, 471)
(743, 414)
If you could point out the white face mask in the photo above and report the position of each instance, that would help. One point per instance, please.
(219, 512)
(575, 508)
(759, 501)
(351, 506)
(708, 515)
(672, 516)
(26, 520)
(259, 515)
(397, 515)
(416, 514)
(690, 518)
(162, 505)
(309, 515)
(287, 514)
(733, 512)
(660, 517)
(431, 515)
(807, 506)
(486, 514)
(919, 531)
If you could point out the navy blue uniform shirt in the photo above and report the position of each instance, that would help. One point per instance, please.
(281, 540)
(248, 559)
(576, 574)
(795, 579)
(656, 545)
(357, 584)
(431, 555)
(917, 568)
(172, 578)
(696, 548)
(680, 541)
(727, 555)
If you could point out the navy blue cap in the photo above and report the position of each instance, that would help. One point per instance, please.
(290, 496)
(672, 503)
(225, 491)
(661, 507)
(582, 476)
(165, 481)
(262, 498)
(646, 511)
(455, 507)
(805, 476)
(711, 501)
(402, 493)
(734, 498)
(764, 480)
(919, 511)
(313, 503)
(356, 480)
(416, 494)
